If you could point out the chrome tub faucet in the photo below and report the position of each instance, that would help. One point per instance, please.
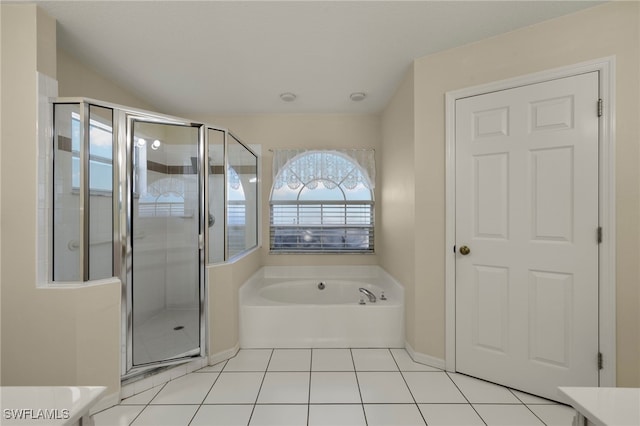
(370, 295)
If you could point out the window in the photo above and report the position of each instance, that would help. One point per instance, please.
(322, 202)
(100, 156)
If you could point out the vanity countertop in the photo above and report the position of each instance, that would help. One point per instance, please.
(50, 405)
(606, 406)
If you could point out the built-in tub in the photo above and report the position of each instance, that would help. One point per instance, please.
(283, 307)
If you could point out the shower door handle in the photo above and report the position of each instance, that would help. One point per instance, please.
(201, 241)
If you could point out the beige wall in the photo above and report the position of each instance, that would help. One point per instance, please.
(610, 29)
(303, 131)
(396, 236)
(77, 79)
(46, 55)
(49, 336)
(224, 282)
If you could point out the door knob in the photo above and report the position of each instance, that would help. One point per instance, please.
(464, 250)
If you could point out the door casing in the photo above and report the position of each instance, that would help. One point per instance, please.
(606, 204)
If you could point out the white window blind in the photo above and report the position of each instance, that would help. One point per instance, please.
(322, 202)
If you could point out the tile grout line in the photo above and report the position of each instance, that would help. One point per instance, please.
(309, 396)
(408, 387)
(194, 415)
(525, 404)
(260, 388)
(148, 403)
(464, 396)
(207, 394)
(355, 373)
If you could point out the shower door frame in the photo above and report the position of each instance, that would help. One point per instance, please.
(126, 218)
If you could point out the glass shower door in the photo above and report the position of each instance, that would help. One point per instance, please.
(165, 250)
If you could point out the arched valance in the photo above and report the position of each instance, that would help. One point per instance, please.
(344, 167)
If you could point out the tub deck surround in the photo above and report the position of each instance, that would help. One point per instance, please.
(283, 307)
(50, 405)
(604, 406)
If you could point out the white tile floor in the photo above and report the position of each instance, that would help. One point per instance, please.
(331, 387)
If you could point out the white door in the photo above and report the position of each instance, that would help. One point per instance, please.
(527, 210)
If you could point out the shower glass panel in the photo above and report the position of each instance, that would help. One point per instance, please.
(165, 242)
(216, 195)
(242, 198)
(67, 256)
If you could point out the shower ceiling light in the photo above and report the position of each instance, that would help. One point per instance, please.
(288, 96)
(141, 142)
(357, 96)
(155, 145)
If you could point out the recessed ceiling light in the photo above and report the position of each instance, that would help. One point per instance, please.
(155, 145)
(288, 97)
(357, 96)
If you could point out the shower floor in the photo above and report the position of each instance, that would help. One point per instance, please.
(168, 334)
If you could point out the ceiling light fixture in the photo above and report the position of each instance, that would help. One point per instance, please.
(357, 96)
(288, 97)
(141, 142)
(155, 145)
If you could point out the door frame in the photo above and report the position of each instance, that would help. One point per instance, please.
(606, 204)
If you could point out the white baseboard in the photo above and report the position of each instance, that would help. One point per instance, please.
(425, 359)
(224, 355)
(107, 401)
(157, 379)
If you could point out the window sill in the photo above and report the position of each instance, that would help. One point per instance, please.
(75, 284)
(320, 252)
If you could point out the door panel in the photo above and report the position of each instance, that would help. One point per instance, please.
(550, 300)
(491, 196)
(491, 325)
(527, 207)
(552, 191)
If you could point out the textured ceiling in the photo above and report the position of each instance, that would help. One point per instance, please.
(214, 57)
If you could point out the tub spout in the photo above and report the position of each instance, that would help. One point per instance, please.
(371, 296)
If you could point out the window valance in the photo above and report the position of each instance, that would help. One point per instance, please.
(338, 167)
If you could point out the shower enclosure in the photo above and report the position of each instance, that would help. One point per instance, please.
(150, 199)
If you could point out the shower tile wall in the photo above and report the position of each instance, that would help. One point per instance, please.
(47, 88)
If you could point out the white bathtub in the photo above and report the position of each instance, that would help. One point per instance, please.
(282, 307)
